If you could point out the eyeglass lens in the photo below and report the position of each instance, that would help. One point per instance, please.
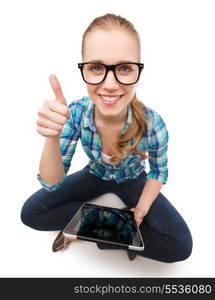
(125, 73)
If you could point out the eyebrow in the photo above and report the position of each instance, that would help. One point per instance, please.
(102, 62)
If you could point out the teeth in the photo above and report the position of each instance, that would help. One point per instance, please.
(110, 99)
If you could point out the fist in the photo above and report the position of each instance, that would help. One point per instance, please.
(54, 113)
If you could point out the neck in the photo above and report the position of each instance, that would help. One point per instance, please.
(110, 120)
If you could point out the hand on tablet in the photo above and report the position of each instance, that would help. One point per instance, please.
(139, 214)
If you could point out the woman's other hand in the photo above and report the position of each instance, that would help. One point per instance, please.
(54, 113)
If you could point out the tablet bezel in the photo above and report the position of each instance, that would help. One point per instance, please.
(75, 220)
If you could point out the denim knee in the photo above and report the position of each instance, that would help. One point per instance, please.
(182, 247)
(27, 217)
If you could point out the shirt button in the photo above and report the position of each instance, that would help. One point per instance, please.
(111, 176)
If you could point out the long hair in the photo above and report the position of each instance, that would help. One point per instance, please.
(138, 126)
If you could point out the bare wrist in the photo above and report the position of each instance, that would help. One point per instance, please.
(143, 207)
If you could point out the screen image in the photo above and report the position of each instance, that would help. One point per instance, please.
(103, 223)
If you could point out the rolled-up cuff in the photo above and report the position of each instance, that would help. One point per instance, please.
(48, 187)
(158, 176)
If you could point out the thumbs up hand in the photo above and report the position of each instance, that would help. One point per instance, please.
(54, 113)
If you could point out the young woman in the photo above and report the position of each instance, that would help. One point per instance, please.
(118, 133)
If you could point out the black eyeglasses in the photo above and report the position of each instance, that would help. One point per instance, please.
(125, 73)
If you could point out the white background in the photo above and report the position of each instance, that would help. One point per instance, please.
(178, 49)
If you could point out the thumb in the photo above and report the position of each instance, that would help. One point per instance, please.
(137, 216)
(139, 219)
(57, 89)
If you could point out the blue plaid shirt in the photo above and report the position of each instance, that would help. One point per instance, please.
(81, 125)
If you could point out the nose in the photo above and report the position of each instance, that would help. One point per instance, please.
(110, 81)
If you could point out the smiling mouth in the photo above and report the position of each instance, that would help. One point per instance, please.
(110, 99)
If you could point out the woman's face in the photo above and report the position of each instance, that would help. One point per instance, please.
(110, 47)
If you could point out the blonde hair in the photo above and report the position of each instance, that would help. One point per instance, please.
(138, 126)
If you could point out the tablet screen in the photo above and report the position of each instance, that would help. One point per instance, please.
(101, 223)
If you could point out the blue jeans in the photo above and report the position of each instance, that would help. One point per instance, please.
(165, 234)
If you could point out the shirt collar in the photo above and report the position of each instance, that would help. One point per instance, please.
(88, 120)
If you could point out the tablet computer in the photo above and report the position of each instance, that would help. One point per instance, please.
(97, 223)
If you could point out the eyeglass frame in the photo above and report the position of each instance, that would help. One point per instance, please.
(111, 68)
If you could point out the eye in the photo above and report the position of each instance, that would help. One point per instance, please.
(124, 68)
(95, 68)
